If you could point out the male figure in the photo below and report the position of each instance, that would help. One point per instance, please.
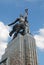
(19, 25)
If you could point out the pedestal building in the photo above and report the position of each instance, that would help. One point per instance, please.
(20, 51)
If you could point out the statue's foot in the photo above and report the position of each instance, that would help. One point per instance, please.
(15, 35)
(10, 34)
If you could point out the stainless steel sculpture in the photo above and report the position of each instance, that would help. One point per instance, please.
(19, 25)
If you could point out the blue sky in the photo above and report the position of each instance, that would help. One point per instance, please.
(10, 10)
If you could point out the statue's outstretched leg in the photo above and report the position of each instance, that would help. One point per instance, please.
(23, 29)
(14, 29)
(17, 31)
(11, 32)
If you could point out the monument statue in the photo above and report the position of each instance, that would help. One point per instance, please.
(21, 50)
(19, 25)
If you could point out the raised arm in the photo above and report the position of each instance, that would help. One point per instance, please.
(14, 22)
(26, 15)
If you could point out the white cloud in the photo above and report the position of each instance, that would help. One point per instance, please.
(4, 34)
(3, 45)
(40, 39)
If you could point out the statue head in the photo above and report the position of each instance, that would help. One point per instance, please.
(21, 15)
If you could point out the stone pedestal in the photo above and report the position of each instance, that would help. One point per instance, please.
(21, 51)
